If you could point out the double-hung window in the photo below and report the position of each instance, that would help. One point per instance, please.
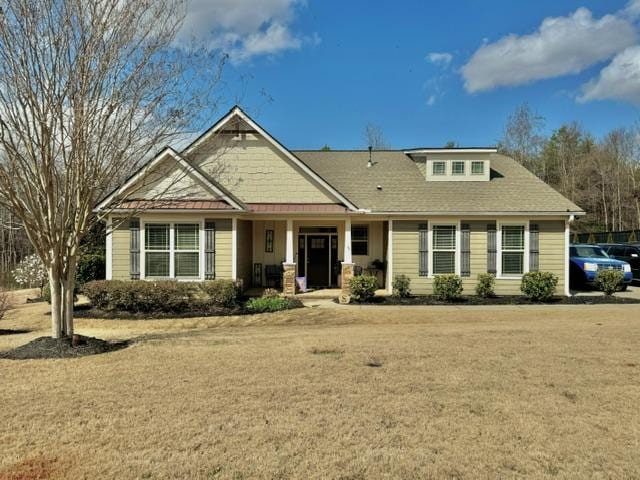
(513, 250)
(161, 253)
(457, 168)
(477, 168)
(444, 249)
(439, 168)
(360, 240)
(157, 250)
(187, 250)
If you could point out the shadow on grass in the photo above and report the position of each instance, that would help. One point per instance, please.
(16, 331)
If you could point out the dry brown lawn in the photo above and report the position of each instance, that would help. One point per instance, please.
(479, 392)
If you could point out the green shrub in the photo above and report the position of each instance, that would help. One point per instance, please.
(221, 293)
(486, 287)
(401, 286)
(90, 267)
(271, 304)
(447, 287)
(609, 281)
(539, 286)
(141, 296)
(363, 287)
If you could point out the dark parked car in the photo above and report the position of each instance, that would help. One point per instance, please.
(627, 253)
(587, 260)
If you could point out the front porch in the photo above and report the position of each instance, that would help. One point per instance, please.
(313, 256)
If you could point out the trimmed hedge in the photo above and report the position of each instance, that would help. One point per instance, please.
(539, 286)
(448, 287)
(166, 296)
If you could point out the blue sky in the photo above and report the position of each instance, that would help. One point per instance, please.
(315, 72)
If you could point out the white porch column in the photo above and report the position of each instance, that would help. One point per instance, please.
(390, 258)
(347, 241)
(289, 248)
(347, 264)
(289, 266)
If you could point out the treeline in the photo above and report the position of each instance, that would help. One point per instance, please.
(600, 175)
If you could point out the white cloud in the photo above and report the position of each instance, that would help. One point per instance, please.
(619, 80)
(442, 59)
(560, 46)
(431, 100)
(243, 28)
(632, 9)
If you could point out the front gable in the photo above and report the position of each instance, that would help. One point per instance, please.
(255, 167)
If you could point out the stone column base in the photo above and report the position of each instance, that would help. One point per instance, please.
(347, 274)
(289, 279)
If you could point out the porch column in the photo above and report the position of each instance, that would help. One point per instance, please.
(347, 264)
(289, 266)
(390, 258)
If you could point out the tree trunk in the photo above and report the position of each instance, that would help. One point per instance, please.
(68, 287)
(56, 304)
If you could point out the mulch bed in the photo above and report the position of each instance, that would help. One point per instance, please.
(505, 300)
(87, 311)
(47, 347)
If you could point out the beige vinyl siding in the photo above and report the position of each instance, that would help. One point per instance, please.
(256, 172)
(170, 180)
(245, 252)
(405, 255)
(276, 257)
(376, 243)
(552, 249)
(120, 242)
(223, 248)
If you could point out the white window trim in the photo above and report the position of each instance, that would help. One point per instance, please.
(430, 243)
(433, 168)
(525, 267)
(464, 168)
(172, 250)
(471, 172)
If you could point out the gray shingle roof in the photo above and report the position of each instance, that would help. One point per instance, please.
(512, 188)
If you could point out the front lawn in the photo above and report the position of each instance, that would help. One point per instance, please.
(538, 392)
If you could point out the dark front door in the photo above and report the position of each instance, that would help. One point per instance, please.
(318, 260)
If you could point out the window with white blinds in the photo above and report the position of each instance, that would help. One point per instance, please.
(512, 250)
(160, 250)
(187, 250)
(444, 249)
(156, 243)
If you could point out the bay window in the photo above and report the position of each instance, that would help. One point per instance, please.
(512, 250)
(444, 249)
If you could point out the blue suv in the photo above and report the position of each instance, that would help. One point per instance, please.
(587, 260)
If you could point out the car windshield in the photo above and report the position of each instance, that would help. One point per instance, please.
(589, 252)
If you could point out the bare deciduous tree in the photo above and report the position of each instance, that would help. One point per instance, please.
(88, 89)
(523, 139)
(374, 137)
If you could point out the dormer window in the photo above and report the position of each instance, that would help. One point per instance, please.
(477, 168)
(439, 168)
(457, 168)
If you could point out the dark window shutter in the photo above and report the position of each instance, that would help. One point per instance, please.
(423, 249)
(534, 247)
(465, 250)
(492, 248)
(209, 249)
(134, 248)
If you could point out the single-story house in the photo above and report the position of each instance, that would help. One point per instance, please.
(238, 204)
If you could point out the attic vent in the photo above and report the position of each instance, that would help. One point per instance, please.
(379, 187)
(370, 162)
